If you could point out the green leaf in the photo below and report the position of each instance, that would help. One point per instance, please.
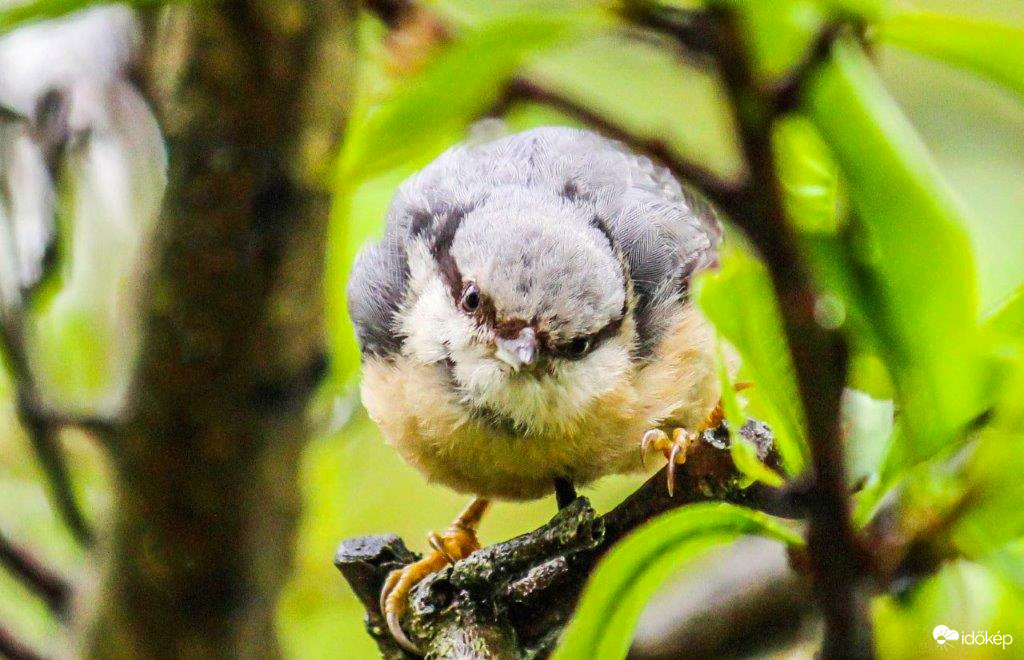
(1006, 322)
(730, 402)
(744, 456)
(460, 83)
(36, 10)
(993, 480)
(867, 425)
(778, 34)
(995, 492)
(868, 373)
(913, 259)
(740, 302)
(993, 50)
(809, 176)
(817, 207)
(962, 595)
(868, 10)
(743, 452)
(627, 577)
(1003, 328)
(1008, 563)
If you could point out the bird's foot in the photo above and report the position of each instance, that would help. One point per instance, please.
(675, 449)
(715, 418)
(457, 542)
(682, 441)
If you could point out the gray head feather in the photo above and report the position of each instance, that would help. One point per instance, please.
(541, 259)
(540, 219)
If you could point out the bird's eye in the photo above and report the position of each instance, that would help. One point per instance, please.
(470, 300)
(578, 346)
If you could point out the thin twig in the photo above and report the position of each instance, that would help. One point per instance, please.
(719, 191)
(836, 555)
(45, 582)
(391, 12)
(100, 427)
(14, 649)
(44, 436)
(688, 27)
(49, 129)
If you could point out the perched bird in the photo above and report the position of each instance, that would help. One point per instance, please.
(525, 324)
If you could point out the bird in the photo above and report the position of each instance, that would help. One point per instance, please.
(526, 326)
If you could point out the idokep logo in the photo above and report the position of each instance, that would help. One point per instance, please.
(945, 637)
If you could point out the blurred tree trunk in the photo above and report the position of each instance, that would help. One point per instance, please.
(206, 462)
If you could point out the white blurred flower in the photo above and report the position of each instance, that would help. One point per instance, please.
(113, 173)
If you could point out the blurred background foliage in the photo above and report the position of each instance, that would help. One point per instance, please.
(925, 350)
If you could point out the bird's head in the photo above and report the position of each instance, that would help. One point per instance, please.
(527, 310)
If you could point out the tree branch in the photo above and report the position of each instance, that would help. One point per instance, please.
(43, 434)
(13, 649)
(232, 336)
(51, 587)
(512, 599)
(690, 28)
(837, 557)
(719, 191)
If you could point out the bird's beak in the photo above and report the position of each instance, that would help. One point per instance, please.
(520, 351)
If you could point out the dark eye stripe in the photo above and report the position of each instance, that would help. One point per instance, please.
(594, 339)
(441, 250)
(598, 223)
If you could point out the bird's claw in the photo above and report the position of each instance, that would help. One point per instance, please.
(457, 542)
(675, 449)
(395, 594)
(436, 541)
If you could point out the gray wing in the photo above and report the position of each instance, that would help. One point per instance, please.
(669, 234)
(375, 291)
